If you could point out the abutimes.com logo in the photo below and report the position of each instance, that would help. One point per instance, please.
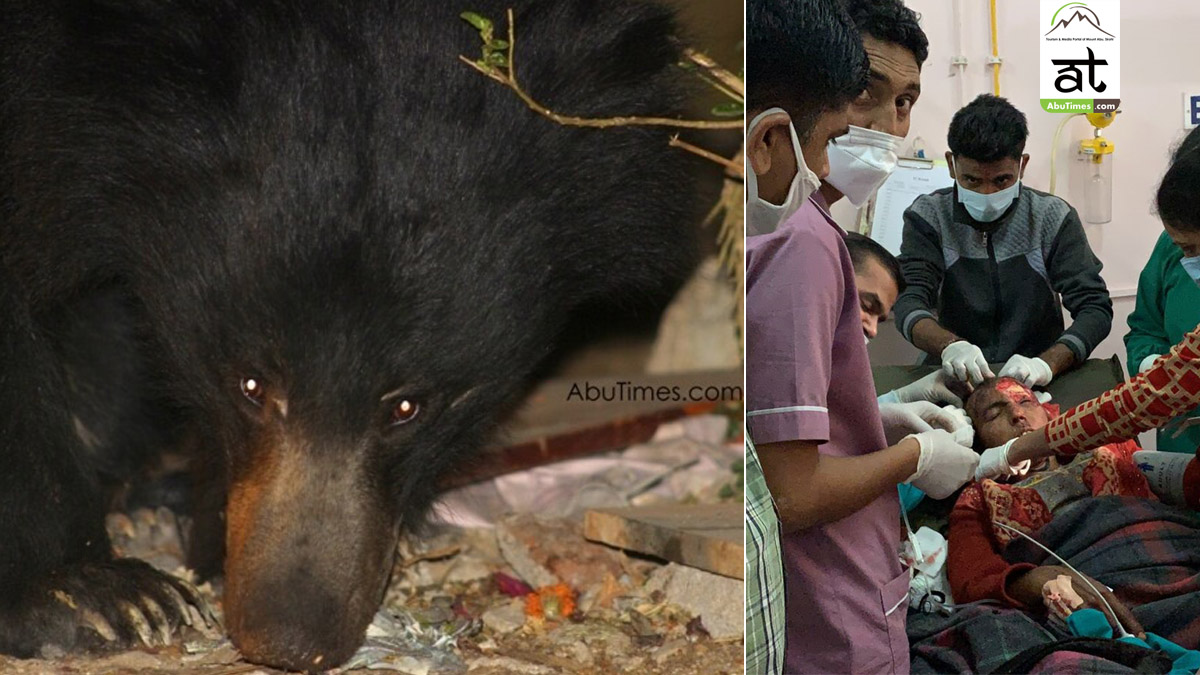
(1080, 56)
(630, 392)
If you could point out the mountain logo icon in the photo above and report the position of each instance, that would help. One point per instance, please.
(1075, 14)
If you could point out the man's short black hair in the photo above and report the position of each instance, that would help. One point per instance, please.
(1178, 195)
(804, 56)
(890, 21)
(988, 129)
(863, 248)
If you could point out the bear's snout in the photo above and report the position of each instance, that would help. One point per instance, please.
(309, 554)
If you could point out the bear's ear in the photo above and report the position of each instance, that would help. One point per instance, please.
(620, 59)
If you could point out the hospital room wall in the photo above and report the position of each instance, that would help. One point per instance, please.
(1158, 63)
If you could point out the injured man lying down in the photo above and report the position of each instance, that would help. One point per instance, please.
(1096, 510)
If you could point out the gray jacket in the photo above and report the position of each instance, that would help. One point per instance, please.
(998, 284)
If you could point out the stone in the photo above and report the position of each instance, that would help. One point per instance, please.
(595, 636)
(715, 599)
(668, 649)
(579, 652)
(506, 664)
(506, 618)
(518, 555)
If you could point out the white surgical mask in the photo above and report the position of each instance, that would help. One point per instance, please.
(762, 217)
(1192, 267)
(860, 161)
(987, 208)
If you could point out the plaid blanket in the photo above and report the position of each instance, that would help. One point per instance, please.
(1148, 552)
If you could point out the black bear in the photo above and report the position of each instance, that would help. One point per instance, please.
(311, 240)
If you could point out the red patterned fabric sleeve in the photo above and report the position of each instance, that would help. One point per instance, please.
(1169, 389)
(974, 566)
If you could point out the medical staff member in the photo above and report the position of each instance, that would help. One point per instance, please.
(1166, 390)
(863, 158)
(815, 44)
(1168, 307)
(821, 445)
(990, 262)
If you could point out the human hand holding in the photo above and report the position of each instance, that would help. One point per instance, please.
(965, 362)
(1148, 363)
(944, 464)
(904, 419)
(930, 388)
(993, 463)
(1031, 372)
(964, 431)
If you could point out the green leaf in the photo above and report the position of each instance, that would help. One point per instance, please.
(498, 44)
(480, 23)
(497, 59)
(732, 109)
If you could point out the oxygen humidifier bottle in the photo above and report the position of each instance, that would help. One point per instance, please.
(1098, 196)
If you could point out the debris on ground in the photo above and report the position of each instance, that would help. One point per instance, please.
(525, 594)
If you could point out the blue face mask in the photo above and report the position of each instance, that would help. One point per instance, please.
(987, 208)
(1192, 267)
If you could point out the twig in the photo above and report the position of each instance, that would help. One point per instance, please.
(510, 81)
(707, 154)
(731, 81)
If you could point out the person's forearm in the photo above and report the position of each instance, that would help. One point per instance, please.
(810, 488)
(929, 336)
(1059, 357)
(1032, 446)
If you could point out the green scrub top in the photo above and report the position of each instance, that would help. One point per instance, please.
(1168, 307)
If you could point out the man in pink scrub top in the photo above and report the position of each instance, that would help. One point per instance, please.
(813, 415)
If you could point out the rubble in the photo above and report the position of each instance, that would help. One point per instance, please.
(459, 599)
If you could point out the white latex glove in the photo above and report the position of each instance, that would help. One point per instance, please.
(1043, 396)
(965, 362)
(930, 388)
(1029, 372)
(1148, 363)
(945, 464)
(964, 431)
(904, 419)
(993, 463)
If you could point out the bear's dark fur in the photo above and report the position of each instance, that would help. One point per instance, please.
(281, 230)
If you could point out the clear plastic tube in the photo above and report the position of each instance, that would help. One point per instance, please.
(1124, 633)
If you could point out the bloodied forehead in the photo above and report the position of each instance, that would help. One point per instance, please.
(1013, 390)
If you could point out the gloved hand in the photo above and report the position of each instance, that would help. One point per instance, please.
(965, 361)
(930, 388)
(904, 419)
(993, 463)
(945, 464)
(1148, 363)
(1029, 372)
(1043, 396)
(964, 431)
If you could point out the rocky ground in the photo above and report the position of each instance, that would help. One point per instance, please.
(528, 596)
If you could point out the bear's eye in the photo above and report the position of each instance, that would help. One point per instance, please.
(253, 390)
(405, 410)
